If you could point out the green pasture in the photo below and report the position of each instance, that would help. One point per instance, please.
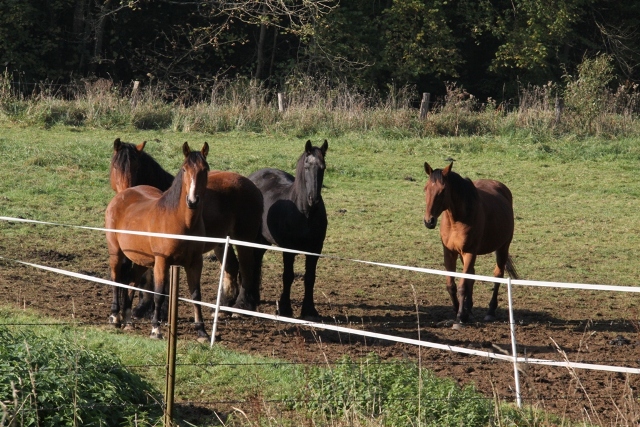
(576, 205)
(575, 200)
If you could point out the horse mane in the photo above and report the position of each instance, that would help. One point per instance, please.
(462, 188)
(149, 171)
(152, 173)
(171, 197)
(121, 159)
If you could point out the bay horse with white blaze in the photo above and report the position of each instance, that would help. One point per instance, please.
(295, 217)
(477, 219)
(232, 207)
(175, 211)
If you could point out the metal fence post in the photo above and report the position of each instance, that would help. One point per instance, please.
(512, 327)
(220, 284)
(170, 380)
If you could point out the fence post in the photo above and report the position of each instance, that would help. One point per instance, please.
(424, 105)
(134, 93)
(220, 284)
(281, 105)
(559, 108)
(512, 327)
(170, 380)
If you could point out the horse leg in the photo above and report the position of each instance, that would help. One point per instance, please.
(284, 305)
(160, 270)
(249, 295)
(308, 307)
(502, 255)
(144, 309)
(450, 259)
(465, 288)
(194, 273)
(230, 275)
(115, 266)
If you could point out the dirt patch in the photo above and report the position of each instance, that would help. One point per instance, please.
(589, 327)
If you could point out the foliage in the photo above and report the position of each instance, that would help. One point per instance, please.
(586, 93)
(399, 394)
(53, 382)
(490, 47)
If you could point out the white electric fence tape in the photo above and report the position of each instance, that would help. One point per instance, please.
(343, 329)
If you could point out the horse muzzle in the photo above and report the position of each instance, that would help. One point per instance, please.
(431, 222)
(193, 204)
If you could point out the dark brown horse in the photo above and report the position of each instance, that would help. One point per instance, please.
(295, 218)
(233, 207)
(477, 219)
(175, 211)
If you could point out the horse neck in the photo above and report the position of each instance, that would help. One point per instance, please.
(174, 200)
(462, 199)
(298, 194)
(151, 173)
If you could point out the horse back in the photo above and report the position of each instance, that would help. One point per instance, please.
(496, 202)
(233, 206)
(136, 209)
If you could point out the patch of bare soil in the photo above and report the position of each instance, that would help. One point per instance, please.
(589, 327)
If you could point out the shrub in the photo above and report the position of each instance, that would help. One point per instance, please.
(395, 394)
(52, 382)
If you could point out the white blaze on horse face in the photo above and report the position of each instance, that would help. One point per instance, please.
(192, 197)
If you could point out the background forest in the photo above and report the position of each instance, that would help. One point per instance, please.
(491, 48)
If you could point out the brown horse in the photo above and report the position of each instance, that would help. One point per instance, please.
(176, 211)
(232, 207)
(477, 219)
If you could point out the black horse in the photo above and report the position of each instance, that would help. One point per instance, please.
(294, 217)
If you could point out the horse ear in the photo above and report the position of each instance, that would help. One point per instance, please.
(140, 146)
(205, 149)
(117, 144)
(427, 168)
(185, 149)
(446, 170)
(308, 147)
(324, 147)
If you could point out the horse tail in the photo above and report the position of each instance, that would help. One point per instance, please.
(511, 268)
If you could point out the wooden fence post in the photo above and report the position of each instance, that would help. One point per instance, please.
(170, 380)
(424, 105)
(134, 93)
(559, 108)
(281, 102)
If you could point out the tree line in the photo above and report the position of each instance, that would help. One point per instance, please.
(490, 47)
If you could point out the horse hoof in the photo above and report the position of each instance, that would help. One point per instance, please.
(128, 327)
(156, 336)
(203, 340)
(311, 318)
(457, 326)
(113, 321)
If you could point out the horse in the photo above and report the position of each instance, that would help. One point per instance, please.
(179, 210)
(232, 207)
(477, 219)
(294, 217)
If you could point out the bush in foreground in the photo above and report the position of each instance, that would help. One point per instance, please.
(52, 382)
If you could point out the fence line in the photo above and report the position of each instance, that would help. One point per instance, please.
(323, 326)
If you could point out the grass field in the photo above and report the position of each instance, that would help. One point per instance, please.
(576, 200)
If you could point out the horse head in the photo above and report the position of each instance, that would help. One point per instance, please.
(195, 171)
(435, 194)
(125, 163)
(312, 173)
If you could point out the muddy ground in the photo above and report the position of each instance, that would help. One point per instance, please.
(590, 327)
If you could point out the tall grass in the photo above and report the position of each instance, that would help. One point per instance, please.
(586, 103)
